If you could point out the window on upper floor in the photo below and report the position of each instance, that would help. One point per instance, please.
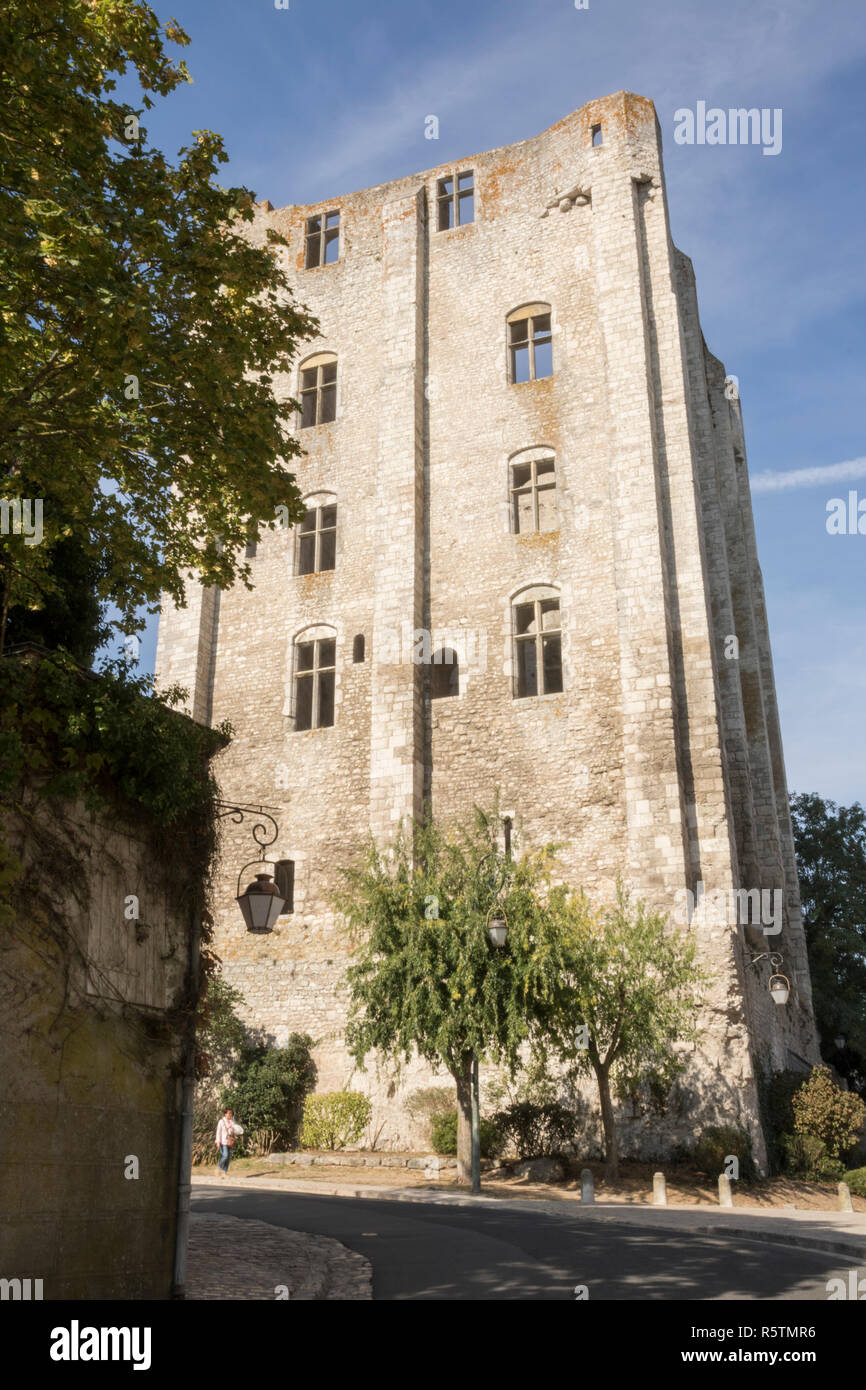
(597, 136)
(319, 390)
(315, 675)
(530, 343)
(537, 643)
(323, 239)
(317, 540)
(358, 648)
(455, 201)
(533, 496)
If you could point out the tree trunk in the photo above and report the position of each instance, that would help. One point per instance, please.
(611, 1149)
(464, 1119)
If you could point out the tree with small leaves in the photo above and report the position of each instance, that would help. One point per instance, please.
(425, 977)
(631, 999)
(143, 330)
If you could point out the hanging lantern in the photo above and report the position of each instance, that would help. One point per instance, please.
(780, 988)
(497, 930)
(261, 904)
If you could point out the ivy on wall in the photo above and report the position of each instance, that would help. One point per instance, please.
(73, 738)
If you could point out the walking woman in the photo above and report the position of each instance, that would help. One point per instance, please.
(225, 1139)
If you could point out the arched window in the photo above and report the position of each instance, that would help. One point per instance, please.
(319, 390)
(537, 636)
(530, 345)
(317, 536)
(358, 648)
(445, 675)
(315, 674)
(532, 491)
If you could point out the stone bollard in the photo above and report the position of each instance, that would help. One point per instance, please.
(845, 1203)
(660, 1193)
(726, 1198)
(587, 1192)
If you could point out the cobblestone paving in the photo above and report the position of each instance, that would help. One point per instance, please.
(230, 1258)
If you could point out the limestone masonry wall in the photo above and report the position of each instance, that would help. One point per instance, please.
(661, 758)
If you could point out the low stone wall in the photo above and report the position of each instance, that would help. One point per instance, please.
(348, 1159)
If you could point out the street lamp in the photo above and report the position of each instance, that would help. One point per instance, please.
(497, 930)
(261, 902)
(779, 985)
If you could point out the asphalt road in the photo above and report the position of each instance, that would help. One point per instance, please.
(421, 1251)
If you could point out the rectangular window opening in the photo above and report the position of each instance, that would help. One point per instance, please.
(284, 878)
(323, 240)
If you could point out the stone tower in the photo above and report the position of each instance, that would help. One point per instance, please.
(520, 456)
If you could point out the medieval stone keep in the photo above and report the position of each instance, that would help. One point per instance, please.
(528, 562)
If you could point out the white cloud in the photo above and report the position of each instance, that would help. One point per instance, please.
(809, 477)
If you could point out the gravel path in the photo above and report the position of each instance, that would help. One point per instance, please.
(229, 1258)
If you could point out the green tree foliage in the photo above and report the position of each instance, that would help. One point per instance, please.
(830, 843)
(335, 1119)
(634, 987)
(220, 1034)
(425, 976)
(266, 1092)
(825, 1112)
(141, 332)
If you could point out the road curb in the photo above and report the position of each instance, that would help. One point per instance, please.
(851, 1247)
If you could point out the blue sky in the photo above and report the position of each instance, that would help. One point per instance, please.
(331, 95)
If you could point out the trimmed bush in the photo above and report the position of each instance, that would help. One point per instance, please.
(856, 1180)
(825, 1112)
(335, 1119)
(537, 1131)
(443, 1130)
(717, 1143)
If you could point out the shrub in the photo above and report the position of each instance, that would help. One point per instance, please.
(334, 1119)
(717, 1143)
(537, 1130)
(856, 1180)
(266, 1093)
(802, 1154)
(443, 1130)
(428, 1102)
(825, 1112)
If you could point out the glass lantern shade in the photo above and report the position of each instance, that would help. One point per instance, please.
(779, 989)
(498, 931)
(261, 904)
